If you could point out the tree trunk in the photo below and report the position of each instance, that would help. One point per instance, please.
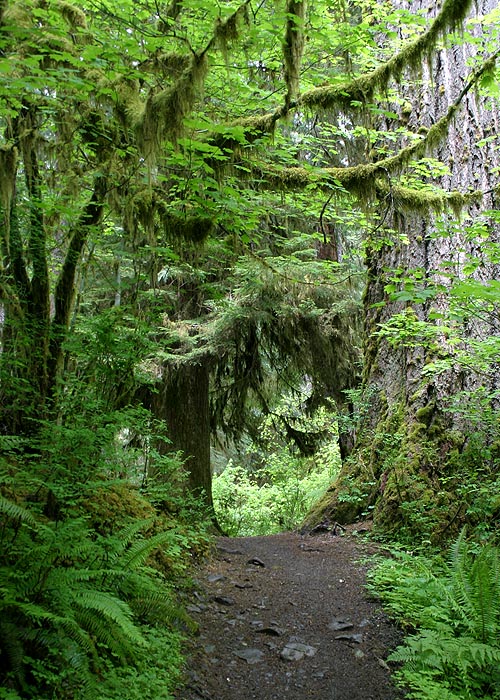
(411, 449)
(182, 402)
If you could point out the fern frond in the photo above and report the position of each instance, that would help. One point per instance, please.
(109, 607)
(141, 550)
(17, 513)
(485, 595)
(161, 608)
(475, 586)
(128, 535)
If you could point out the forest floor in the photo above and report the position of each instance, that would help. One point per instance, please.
(288, 616)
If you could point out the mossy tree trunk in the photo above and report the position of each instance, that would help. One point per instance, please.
(410, 447)
(36, 315)
(181, 400)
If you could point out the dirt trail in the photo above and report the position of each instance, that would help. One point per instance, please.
(287, 616)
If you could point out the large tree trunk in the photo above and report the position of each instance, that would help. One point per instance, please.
(410, 448)
(182, 402)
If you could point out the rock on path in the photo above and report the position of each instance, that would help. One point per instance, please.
(287, 616)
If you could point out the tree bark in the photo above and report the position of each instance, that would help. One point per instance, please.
(182, 402)
(404, 467)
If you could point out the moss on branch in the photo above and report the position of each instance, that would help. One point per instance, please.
(364, 87)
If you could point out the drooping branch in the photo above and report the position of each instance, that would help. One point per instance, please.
(370, 179)
(228, 30)
(164, 112)
(364, 87)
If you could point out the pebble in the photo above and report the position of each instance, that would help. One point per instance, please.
(251, 656)
(337, 625)
(223, 600)
(358, 638)
(273, 631)
(256, 562)
(295, 651)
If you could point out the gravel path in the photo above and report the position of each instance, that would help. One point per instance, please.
(287, 616)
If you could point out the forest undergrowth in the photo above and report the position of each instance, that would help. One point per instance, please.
(94, 554)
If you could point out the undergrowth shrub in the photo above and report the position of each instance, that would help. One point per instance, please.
(91, 565)
(154, 673)
(452, 609)
(71, 597)
(274, 497)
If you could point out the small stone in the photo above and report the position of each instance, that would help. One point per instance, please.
(213, 578)
(228, 550)
(318, 674)
(223, 600)
(272, 631)
(251, 656)
(337, 625)
(193, 608)
(359, 654)
(358, 638)
(290, 654)
(243, 585)
(382, 663)
(295, 651)
(256, 562)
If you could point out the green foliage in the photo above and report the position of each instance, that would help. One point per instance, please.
(455, 605)
(70, 596)
(273, 487)
(88, 564)
(178, 184)
(154, 674)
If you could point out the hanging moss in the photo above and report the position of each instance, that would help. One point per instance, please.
(129, 105)
(18, 15)
(165, 111)
(73, 15)
(411, 57)
(366, 179)
(425, 201)
(226, 31)
(259, 125)
(359, 179)
(140, 210)
(338, 96)
(171, 63)
(194, 229)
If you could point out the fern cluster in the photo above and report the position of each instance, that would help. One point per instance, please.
(453, 610)
(74, 602)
